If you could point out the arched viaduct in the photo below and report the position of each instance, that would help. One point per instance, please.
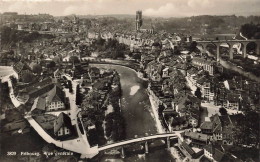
(231, 43)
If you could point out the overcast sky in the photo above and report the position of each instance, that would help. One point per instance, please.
(163, 8)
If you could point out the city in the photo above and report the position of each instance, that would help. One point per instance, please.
(129, 88)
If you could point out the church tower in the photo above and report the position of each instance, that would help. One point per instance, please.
(139, 20)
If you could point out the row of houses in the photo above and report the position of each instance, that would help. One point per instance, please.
(235, 94)
(137, 40)
(176, 105)
(212, 140)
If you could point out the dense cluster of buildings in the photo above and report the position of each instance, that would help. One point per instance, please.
(178, 83)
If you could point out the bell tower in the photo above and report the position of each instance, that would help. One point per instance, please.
(138, 20)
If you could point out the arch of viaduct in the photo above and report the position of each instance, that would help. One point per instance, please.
(231, 43)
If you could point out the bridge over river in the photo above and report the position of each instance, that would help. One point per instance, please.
(141, 140)
(231, 43)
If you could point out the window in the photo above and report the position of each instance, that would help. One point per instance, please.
(60, 132)
(68, 131)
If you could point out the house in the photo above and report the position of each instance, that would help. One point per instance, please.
(154, 71)
(197, 139)
(217, 153)
(207, 127)
(220, 94)
(35, 90)
(207, 87)
(192, 75)
(207, 91)
(55, 99)
(183, 101)
(63, 126)
(221, 128)
(57, 74)
(20, 69)
(213, 154)
(233, 101)
(194, 117)
(188, 151)
(206, 64)
(165, 72)
(177, 123)
(39, 105)
(51, 101)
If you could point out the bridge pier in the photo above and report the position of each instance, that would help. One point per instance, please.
(218, 52)
(146, 147)
(122, 152)
(257, 48)
(168, 142)
(231, 50)
(244, 49)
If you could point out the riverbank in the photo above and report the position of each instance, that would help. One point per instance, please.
(5, 72)
(130, 65)
(156, 116)
(138, 113)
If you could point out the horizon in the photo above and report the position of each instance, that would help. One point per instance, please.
(118, 14)
(150, 8)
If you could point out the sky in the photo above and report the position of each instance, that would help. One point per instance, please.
(157, 8)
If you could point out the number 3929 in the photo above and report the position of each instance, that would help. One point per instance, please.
(11, 153)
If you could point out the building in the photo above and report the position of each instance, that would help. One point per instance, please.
(207, 127)
(39, 105)
(51, 101)
(138, 20)
(217, 153)
(165, 73)
(57, 74)
(63, 126)
(207, 91)
(55, 99)
(213, 154)
(185, 102)
(206, 64)
(233, 101)
(20, 69)
(221, 128)
(35, 90)
(188, 151)
(197, 139)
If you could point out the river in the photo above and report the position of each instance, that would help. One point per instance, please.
(137, 112)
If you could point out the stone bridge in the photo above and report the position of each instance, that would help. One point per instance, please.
(141, 140)
(231, 43)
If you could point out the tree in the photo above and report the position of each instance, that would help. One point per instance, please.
(100, 41)
(37, 69)
(247, 129)
(52, 64)
(41, 56)
(222, 111)
(27, 77)
(193, 46)
(252, 124)
(57, 59)
(198, 93)
(70, 86)
(78, 96)
(250, 30)
(137, 56)
(74, 59)
(13, 80)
